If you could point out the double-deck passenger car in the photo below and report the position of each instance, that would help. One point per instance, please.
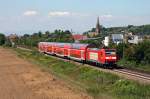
(80, 52)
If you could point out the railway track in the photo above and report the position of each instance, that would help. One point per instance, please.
(129, 74)
(134, 74)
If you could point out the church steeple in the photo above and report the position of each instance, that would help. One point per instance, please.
(98, 26)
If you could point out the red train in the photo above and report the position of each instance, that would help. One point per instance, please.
(80, 52)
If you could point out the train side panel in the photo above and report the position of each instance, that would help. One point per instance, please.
(66, 50)
(41, 46)
(77, 54)
(101, 56)
(50, 49)
(59, 51)
(92, 55)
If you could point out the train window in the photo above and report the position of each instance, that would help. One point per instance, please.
(110, 52)
(78, 46)
(94, 49)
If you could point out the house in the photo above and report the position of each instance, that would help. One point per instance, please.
(12, 38)
(78, 37)
(106, 41)
(135, 39)
(114, 38)
(117, 38)
(93, 34)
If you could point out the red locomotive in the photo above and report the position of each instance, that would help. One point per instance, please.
(80, 52)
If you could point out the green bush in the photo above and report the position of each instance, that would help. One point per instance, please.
(2, 39)
(139, 53)
(8, 43)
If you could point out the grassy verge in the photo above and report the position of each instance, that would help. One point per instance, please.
(96, 83)
(134, 65)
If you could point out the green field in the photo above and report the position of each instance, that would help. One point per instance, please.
(96, 83)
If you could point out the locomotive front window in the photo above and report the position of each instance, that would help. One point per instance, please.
(110, 52)
(96, 49)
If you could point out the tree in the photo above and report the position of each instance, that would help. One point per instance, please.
(26, 35)
(40, 34)
(8, 43)
(47, 33)
(139, 53)
(2, 39)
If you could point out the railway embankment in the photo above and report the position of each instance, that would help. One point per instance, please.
(132, 65)
(97, 83)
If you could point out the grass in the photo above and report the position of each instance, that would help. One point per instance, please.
(134, 65)
(98, 84)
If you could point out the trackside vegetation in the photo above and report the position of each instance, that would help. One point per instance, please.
(98, 84)
(135, 56)
(2, 39)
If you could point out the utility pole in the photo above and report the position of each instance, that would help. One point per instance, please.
(124, 41)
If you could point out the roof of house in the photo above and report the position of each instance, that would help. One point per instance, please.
(79, 37)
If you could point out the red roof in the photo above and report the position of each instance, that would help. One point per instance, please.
(79, 37)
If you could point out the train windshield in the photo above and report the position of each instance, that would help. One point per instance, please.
(95, 49)
(110, 52)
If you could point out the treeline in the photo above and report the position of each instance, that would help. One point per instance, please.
(134, 56)
(139, 53)
(139, 30)
(56, 36)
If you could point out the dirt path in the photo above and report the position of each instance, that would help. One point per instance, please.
(20, 79)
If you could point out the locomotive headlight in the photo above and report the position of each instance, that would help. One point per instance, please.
(114, 58)
(107, 57)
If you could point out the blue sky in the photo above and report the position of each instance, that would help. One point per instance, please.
(28, 16)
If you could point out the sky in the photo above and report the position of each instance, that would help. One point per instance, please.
(29, 16)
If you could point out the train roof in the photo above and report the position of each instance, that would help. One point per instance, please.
(79, 46)
(71, 45)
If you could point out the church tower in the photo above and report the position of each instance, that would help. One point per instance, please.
(98, 26)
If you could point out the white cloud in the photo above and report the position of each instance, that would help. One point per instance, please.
(107, 16)
(59, 13)
(30, 13)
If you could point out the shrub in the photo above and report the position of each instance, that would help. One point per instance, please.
(2, 39)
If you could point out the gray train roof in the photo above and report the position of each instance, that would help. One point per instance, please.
(72, 45)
